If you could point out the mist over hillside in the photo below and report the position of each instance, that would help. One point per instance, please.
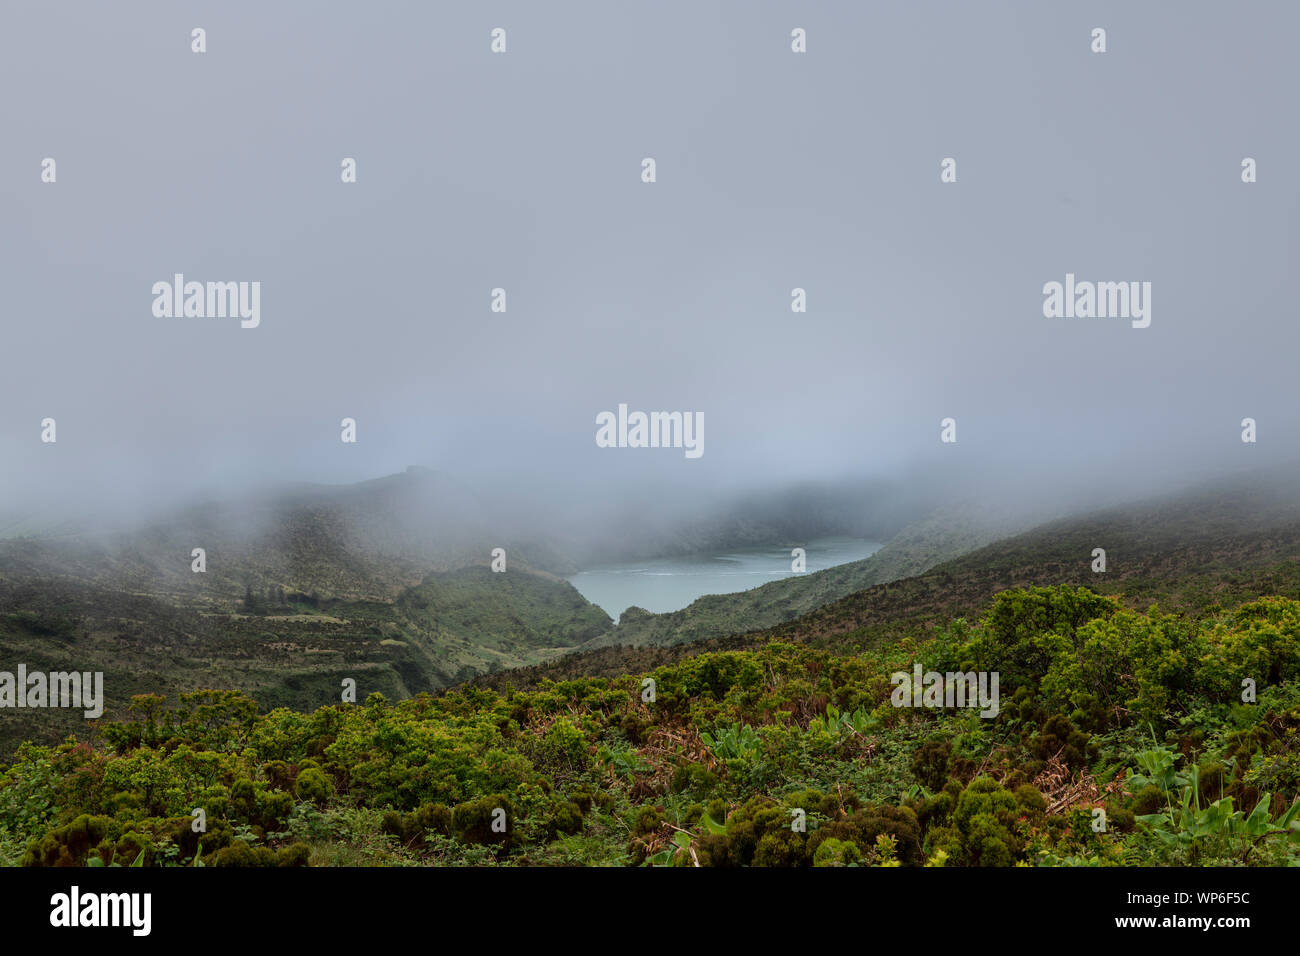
(388, 581)
(372, 538)
(1193, 553)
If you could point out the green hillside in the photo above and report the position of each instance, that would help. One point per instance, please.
(289, 650)
(1194, 552)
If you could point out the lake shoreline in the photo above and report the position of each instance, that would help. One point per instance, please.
(669, 584)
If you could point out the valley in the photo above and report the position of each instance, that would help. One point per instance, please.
(481, 691)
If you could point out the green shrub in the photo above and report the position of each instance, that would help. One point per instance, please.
(473, 821)
(240, 853)
(69, 845)
(312, 785)
(985, 826)
(930, 763)
(565, 817)
(835, 852)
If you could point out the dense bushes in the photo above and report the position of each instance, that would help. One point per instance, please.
(787, 755)
(984, 824)
(241, 854)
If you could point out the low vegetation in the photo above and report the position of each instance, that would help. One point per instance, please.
(1123, 737)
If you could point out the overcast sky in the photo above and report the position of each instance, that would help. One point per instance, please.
(522, 170)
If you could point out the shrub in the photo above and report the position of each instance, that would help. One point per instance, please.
(565, 817)
(984, 828)
(69, 845)
(835, 852)
(312, 785)
(930, 763)
(1059, 738)
(473, 821)
(240, 853)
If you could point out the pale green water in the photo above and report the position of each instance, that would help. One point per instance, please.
(669, 584)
